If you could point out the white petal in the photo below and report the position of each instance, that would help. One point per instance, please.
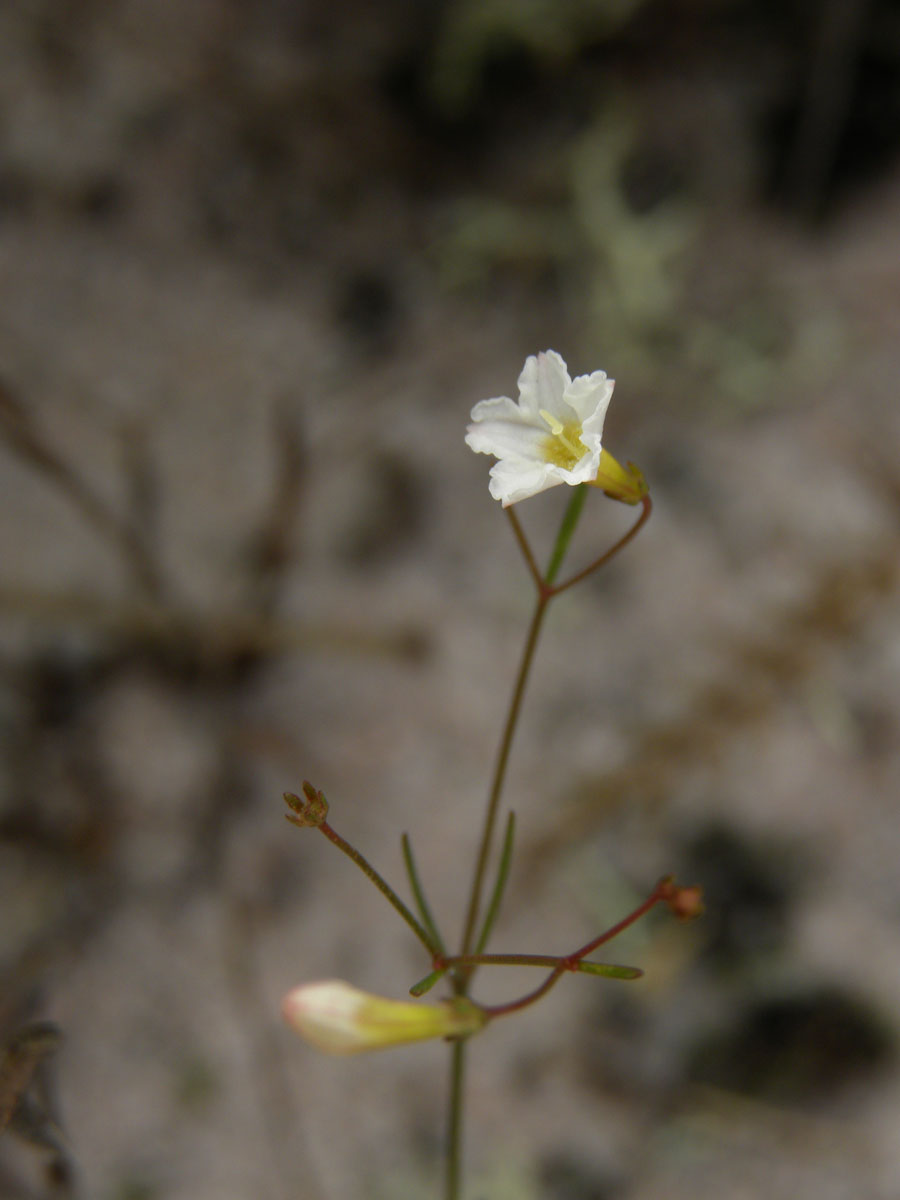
(585, 469)
(543, 381)
(501, 408)
(589, 395)
(511, 482)
(519, 435)
(505, 439)
(327, 1014)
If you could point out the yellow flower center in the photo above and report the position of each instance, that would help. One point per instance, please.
(564, 447)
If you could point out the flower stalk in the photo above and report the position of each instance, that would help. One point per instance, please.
(551, 435)
(312, 812)
(546, 590)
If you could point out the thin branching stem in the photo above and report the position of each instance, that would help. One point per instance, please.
(546, 591)
(571, 962)
(506, 741)
(659, 893)
(383, 886)
(525, 547)
(502, 1010)
(568, 962)
(646, 509)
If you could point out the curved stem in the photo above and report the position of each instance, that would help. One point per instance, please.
(646, 509)
(502, 1010)
(571, 962)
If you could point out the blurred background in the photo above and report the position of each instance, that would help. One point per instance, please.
(257, 262)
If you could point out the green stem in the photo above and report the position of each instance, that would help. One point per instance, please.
(566, 529)
(646, 509)
(522, 540)
(572, 962)
(568, 962)
(545, 593)
(455, 1121)
(383, 886)
(461, 980)
(506, 741)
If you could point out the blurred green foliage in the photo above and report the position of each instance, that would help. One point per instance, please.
(627, 274)
(563, 211)
(551, 31)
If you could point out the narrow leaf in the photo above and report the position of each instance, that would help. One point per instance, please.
(500, 885)
(419, 895)
(426, 984)
(610, 970)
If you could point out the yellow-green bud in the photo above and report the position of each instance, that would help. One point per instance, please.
(341, 1019)
(619, 483)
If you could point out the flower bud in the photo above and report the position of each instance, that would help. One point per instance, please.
(341, 1019)
(684, 902)
(309, 812)
(626, 484)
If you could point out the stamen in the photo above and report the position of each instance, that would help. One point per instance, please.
(556, 427)
(562, 433)
(563, 445)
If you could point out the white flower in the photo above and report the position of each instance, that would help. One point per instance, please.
(552, 435)
(340, 1019)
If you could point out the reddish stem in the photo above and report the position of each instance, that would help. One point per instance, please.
(383, 886)
(569, 962)
(524, 546)
(646, 509)
(660, 892)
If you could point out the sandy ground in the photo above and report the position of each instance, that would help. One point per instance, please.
(242, 543)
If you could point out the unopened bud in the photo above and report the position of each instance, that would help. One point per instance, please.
(685, 902)
(308, 812)
(341, 1019)
(626, 484)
